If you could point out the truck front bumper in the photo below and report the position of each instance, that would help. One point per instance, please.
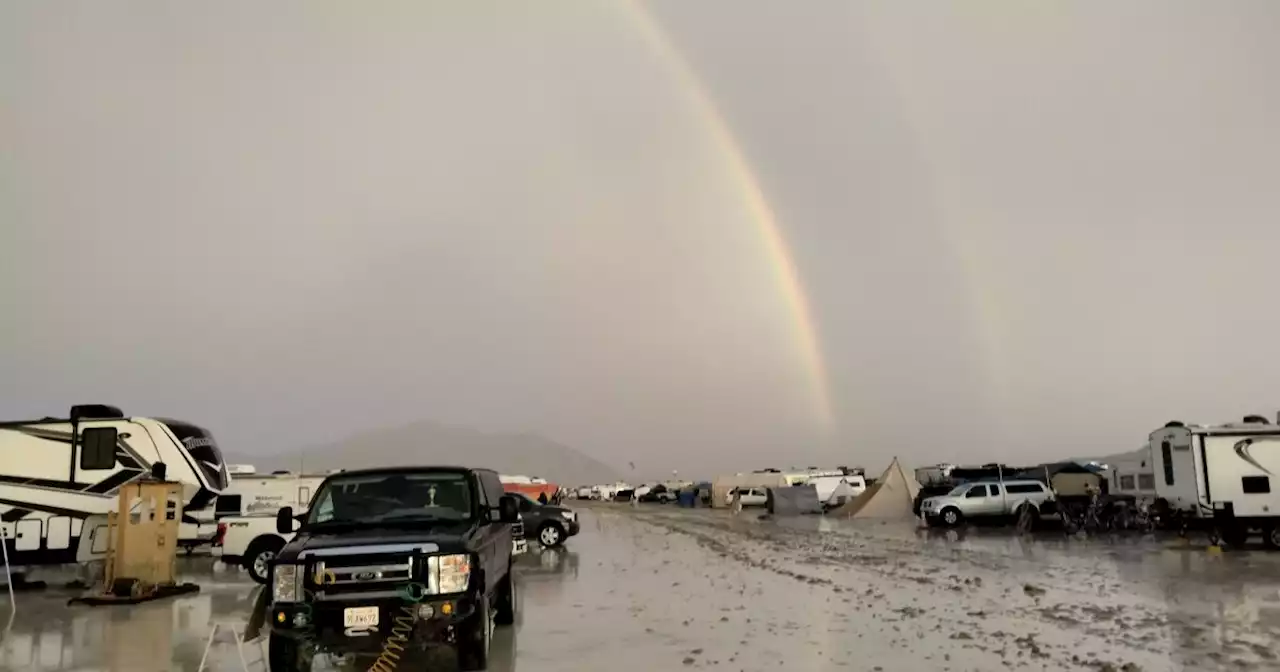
(431, 622)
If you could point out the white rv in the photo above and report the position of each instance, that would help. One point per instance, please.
(1223, 473)
(1131, 474)
(835, 491)
(249, 494)
(57, 473)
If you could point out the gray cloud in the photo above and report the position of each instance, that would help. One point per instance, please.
(1023, 231)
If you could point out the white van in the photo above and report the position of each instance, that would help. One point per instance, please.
(758, 496)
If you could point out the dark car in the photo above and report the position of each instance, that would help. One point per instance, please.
(551, 524)
(393, 562)
(659, 494)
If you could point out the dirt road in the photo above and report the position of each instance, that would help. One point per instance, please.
(660, 588)
(814, 594)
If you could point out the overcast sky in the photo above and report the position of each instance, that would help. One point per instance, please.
(1022, 230)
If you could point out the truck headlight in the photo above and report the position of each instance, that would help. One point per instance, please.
(285, 588)
(448, 573)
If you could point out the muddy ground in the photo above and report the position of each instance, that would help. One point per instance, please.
(664, 588)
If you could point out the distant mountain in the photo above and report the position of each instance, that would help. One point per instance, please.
(429, 443)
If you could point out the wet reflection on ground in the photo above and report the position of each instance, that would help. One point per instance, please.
(173, 634)
(664, 587)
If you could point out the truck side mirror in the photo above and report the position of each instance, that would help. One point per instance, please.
(508, 510)
(284, 520)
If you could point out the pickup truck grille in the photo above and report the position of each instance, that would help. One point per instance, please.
(361, 572)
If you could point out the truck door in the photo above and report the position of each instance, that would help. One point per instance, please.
(497, 535)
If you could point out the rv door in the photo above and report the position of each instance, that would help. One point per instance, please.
(1176, 474)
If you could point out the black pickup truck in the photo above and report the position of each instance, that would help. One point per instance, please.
(390, 563)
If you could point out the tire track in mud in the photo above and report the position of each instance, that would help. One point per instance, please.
(945, 595)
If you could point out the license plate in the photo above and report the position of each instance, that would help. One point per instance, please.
(359, 617)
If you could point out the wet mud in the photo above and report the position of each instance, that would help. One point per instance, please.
(665, 588)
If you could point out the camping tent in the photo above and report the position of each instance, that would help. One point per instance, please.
(891, 496)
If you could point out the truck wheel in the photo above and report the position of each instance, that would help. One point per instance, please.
(288, 655)
(508, 606)
(475, 637)
(951, 516)
(258, 557)
(551, 534)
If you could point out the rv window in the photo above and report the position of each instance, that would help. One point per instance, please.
(1255, 485)
(977, 491)
(304, 496)
(1166, 456)
(1146, 481)
(98, 448)
(1126, 482)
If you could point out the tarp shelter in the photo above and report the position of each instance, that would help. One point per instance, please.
(759, 479)
(688, 498)
(1066, 478)
(891, 496)
(796, 500)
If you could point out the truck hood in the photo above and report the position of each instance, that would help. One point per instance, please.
(554, 510)
(449, 539)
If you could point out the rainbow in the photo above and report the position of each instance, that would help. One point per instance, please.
(775, 244)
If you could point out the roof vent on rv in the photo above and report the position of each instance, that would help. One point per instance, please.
(1255, 420)
(1175, 423)
(95, 412)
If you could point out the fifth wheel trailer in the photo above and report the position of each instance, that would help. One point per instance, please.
(1221, 474)
(60, 476)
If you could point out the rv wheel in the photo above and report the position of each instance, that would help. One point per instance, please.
(1236, 537)
(1271, 537)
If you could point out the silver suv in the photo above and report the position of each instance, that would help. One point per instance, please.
(982, 500)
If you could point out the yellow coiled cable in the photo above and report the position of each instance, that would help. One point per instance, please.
(394, 645)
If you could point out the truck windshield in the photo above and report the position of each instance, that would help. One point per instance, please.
(373, 498)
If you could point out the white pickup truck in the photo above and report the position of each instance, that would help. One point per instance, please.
(252, 541)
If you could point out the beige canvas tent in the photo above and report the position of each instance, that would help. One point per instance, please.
(891, 496)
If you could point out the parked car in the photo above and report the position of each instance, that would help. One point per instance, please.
(551, 524)
(987, 500)
(659, 494)
(750, 496)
